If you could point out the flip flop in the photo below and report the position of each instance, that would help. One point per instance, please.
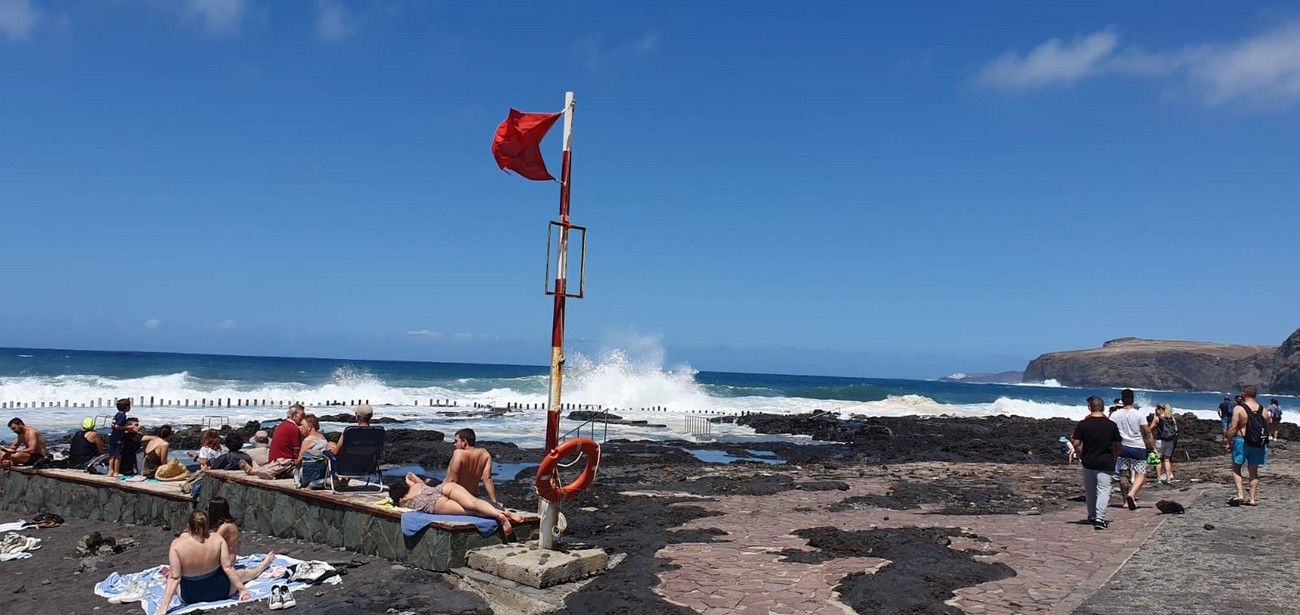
(1234, 501)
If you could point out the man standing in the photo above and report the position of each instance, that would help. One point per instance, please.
(28, 449)
(1097, 442)
(286, 438)
(117, 437)
(1137, 444)
(469, 465)
(1225, 412)
(1247, 438)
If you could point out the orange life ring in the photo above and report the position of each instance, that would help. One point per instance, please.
(548, 486)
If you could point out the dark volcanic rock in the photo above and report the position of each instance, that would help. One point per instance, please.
(922, 573)
(1286, 380)
(1156, 364)
(612, 419)
(351, 418)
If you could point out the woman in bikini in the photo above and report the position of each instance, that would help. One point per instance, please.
(447, 499)
(202, 569)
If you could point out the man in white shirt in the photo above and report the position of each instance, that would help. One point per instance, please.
(1136, 444)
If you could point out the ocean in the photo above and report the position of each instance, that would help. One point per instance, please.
(635, 387)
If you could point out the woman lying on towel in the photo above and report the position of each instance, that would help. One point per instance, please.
(203, 569)
(447, 499)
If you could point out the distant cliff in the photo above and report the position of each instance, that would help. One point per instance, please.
(1174, 366)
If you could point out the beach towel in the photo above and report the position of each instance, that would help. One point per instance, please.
(155, 583)
(16, 546)
(414, 521)
(15, 526)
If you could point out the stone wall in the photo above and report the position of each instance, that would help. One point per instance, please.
(31, 494)
(290, 515)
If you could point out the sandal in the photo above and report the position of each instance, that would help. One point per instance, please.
(1234, 501)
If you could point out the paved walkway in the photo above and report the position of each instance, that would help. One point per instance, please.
(1058, 562)
(1216, 558)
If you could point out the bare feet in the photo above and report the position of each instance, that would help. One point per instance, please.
(506, 528)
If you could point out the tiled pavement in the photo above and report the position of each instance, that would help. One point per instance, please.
(1058, 562)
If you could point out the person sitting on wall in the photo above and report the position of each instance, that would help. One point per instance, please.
(28, 448)
(233, 458)
(85, 445)
(469, 465)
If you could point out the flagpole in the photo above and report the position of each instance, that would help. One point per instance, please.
(549, 511)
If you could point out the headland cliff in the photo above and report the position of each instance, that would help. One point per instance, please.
(1174, 366)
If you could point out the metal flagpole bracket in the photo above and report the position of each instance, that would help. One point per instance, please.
(552, 232)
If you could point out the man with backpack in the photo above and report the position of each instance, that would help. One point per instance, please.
(1247, 438)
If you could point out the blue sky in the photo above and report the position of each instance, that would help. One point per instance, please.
(806, 188)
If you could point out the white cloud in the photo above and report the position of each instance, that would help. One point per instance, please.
(1051, 63)
(17, 19)
(596, 55)
(425, 333)
(228, 325)
(334, 22)
(218, 17)
(1264, 69)
(1261, 70)
(153, 324)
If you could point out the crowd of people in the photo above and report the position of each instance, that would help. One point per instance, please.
(1125, 443)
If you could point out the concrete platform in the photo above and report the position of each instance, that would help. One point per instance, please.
(351, 520)
(529, 565)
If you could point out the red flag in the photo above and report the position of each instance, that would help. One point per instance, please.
(517, 144)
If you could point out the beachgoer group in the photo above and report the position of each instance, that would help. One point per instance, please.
(1126, 444)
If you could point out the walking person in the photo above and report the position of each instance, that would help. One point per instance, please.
(1164, 426)
(1274, 420)
(1097, 441)
(1247, 438)
(1137, 445)
(1225, 412)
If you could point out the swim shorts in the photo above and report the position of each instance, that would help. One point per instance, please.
(1243, 453)
(1131, 458)
(1165, 447)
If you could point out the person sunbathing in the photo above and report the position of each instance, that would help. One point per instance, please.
(447, 499)
(202, 568)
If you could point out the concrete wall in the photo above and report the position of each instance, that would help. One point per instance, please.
(30, 494)
(288, 515)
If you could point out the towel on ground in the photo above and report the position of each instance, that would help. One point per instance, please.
(414, 521)
(15, 526)
(16, 546)
(156, 583)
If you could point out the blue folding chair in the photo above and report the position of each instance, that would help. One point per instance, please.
(358, 458)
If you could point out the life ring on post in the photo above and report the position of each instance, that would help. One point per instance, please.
(548, 486)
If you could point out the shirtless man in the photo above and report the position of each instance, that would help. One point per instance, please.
(469, 465)
(28, 448)
(1235, 439)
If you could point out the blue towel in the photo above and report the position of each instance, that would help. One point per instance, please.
(414, 521)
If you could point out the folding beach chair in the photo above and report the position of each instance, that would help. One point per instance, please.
(358, 458)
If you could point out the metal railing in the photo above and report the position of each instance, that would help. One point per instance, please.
(699, 426)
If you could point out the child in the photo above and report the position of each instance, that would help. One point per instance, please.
(117, 437)
(210, 448)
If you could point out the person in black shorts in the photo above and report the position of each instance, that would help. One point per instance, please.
(1097, 441)
(117, 438)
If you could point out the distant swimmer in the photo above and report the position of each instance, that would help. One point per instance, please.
(1247, 438)
(469, 465)
(28, 448)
